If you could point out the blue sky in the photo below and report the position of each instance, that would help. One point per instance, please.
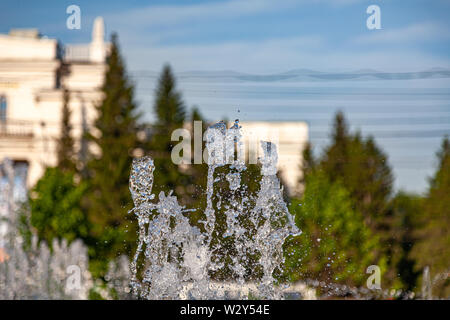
(258, 36)
(272, 36)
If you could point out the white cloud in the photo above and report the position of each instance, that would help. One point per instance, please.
(416, 33)
(145, 51)
(250, 56)
(178, 14)
(275, 55)
(168, 15)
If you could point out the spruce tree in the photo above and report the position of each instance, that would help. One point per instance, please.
(363, 169)
(114, 140)
(432, 247)
(170, 113)
(197, 171)
(407, 210)
(308, 163)
(65, 145)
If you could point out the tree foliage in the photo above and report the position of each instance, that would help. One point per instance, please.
(113, 140)
(432, 246)
(407, 210)
(335, 244)
(65, 146)
(55, 207)
(188, 181)
(170, 113)
(357, 166)
(362, 168)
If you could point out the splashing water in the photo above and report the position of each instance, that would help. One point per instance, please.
(35, 272)
(175, 260)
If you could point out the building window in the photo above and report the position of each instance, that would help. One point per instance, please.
(2, 108)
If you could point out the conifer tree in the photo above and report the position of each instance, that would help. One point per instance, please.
(362, 168)
(308, 163)
(197, 171)
(170, 114)
(407, 210)
(114, 140)
(65, 145)
(432, 247)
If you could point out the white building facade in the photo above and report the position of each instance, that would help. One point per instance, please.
(33, 74)
(290, 139)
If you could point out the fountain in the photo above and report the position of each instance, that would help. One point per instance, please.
(34, 271)
(175, 260)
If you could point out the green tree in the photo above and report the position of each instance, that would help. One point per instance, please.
(335, 244)
(170, 114)
(65, 146)
(406, 211)
(431, 249)
(363, 169)
(197, 173)
(114, 140)
(55, 207)
(308, 164)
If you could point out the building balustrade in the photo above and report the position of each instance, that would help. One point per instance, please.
(77, 53)
(16, 128)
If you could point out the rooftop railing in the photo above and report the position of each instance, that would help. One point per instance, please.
(76, 53)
